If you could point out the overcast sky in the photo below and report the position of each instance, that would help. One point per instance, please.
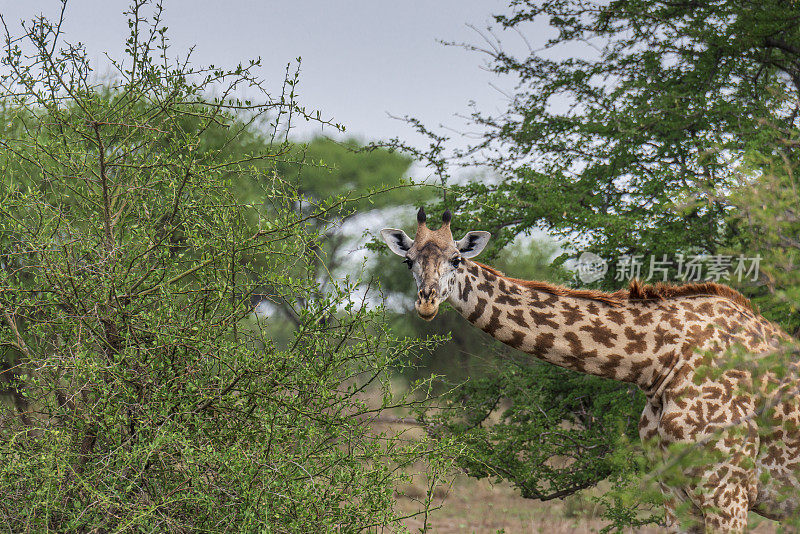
(361, 60)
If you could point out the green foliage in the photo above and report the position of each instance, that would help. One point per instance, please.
(143, 393)
(767, 217)
(330, 168)
(506, 421)
(321, 170)
(628, 147)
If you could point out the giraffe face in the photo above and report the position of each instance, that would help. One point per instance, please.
(433, 267)
(434, 258)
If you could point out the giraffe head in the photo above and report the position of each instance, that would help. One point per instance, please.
(433, 258)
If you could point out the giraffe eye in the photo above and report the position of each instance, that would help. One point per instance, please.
(408, 262)
(455, 262)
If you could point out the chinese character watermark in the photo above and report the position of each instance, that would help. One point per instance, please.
(687, 268)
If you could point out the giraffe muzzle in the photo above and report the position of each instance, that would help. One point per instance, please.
(427, 304)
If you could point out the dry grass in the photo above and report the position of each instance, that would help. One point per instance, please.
(470, 505)
(478, 506)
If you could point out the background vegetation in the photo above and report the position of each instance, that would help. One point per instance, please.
(193, 338)
(140, 222)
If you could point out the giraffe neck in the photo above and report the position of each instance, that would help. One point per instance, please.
(581, 334)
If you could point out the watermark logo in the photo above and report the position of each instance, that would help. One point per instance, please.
(591, 267)
(687, 268)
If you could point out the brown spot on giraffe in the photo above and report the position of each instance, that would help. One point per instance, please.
(486, 286)
(616, 317)
(643, 319)
(662, 337)
(544, 342)
(612, 363)
(542, 301)
(543, 318)
(600, 333)
(467, 288)
(637, 340)
(571, 313)
(518, 317)
(517, 339)
(477, 312)
(494, 324)
(508, 300)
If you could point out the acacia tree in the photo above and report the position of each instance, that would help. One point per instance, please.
(143, 393)
(629, 144)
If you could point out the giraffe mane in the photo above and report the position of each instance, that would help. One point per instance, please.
(662, 291)
(636, 290)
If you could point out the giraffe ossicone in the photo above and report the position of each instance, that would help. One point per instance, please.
(660, 338)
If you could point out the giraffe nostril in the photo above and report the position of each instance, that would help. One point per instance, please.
(427, 293)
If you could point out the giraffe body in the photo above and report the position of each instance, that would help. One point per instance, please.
(663, 346)
(673, 343)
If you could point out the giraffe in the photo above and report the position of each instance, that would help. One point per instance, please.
(662, 338)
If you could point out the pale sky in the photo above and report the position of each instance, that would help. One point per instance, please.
(362, 59)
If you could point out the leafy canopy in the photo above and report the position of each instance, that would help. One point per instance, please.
(626, 123)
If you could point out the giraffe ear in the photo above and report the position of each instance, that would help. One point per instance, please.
(473, 243)
(398, 241)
